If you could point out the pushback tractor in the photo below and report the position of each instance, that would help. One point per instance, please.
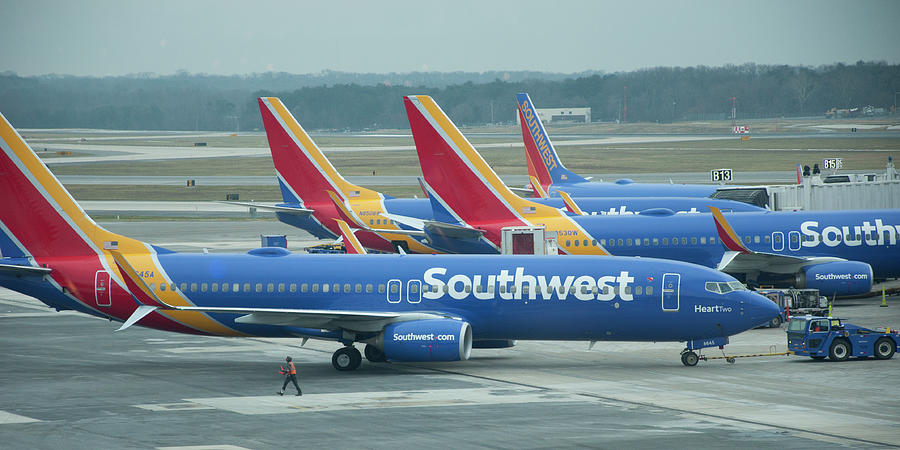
(820, 337)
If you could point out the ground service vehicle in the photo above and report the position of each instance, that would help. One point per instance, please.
(818, 337)
(795, 302)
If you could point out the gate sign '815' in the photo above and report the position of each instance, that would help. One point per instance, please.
(833, 163)
(720, 175)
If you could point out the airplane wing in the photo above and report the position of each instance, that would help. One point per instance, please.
(360, 321)
(736, 262)
(740, 259)
(275, 208)
(453, 231)
(351, 243)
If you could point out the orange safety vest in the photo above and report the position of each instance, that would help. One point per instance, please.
(291, 369)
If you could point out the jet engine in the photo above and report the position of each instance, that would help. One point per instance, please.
(840, 278)
(426, 340)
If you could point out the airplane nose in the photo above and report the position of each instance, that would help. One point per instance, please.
(759, 309)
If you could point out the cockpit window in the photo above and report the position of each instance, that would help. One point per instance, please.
(721, 287)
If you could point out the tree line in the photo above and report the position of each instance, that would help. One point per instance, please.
(342, 101)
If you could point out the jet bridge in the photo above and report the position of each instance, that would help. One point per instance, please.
(528, 241)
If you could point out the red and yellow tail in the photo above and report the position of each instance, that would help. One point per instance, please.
(454, 169)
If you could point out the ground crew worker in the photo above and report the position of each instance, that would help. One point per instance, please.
(290, 375)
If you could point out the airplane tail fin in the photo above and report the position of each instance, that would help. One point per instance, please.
(461, 177)
(799, 174)
(304, 173)
(543, 162)
(38, 217)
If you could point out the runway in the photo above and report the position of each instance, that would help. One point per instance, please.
(71, 382)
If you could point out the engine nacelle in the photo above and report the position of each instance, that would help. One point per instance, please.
(427, 340)
(493, 343)
(839, 277)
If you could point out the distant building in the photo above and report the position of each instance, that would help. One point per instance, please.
(562, 115)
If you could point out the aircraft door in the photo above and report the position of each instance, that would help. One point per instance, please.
(794, 240)
(414, 291)
(394, 288)
(671, 291)
(102, 291)
(777, 241)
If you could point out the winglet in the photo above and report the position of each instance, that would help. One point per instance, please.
(422, 186)
(351, 243)
(346, 213)
(135, 283)
(571, 206)
(729, 238)
(799, 174)
(539, 191)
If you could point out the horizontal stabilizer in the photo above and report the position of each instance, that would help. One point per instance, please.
(275, 208)
(24, 270)
(351, 243)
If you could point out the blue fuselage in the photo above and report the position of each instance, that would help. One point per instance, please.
(565, 298)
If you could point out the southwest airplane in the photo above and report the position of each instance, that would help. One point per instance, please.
(404, 307)
(838, 252)
(315, 194)
(549, 177)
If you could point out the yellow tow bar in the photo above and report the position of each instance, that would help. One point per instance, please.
(731, 358)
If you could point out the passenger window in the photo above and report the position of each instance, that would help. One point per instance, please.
(467, 289)
(665, 241)
(637, 242)
(315, 287)
(304, 287)
(193, 287)
(490, 289)
(381, 288)
(394, 288)
(152, 286)
(258, 287)
(655, 241)
(585, 242)
(694, 240)
(603, 242)
(646, 241)
(649, 290)
(756, 239)
(684, 241)
(162, 287)
(225, 287)
(576, 243)
(336, 288)
(479, 289)
(502, 288)
(568, 243)
(270, 287)
(702, 240)
(204, 287)
(593, 242)
(280, 287)
(215, 287)
(767, 239)
(358, 288)
(747, 239)
(325, 287)
(413, 288)
(612, 242)
(369, 288)
(293, 287)
(793, 238)
(628, 290)
(638, 290)
(183, 287)
(628, 241)
(347, 288)
(620, 242)
(371, 221)
(512, 289)
(605, 290)
(235, 287)
(377, 221)
(246, 287)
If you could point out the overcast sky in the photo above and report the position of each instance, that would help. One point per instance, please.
(229, 37)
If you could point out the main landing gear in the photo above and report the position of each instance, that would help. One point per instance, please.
(346, 358)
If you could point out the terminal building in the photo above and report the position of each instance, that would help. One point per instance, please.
(561, 115)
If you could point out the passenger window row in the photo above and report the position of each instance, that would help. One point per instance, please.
(467, 288)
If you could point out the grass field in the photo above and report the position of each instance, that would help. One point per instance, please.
(859, 153)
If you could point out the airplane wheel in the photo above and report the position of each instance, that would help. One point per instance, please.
(775, 322)
(884, 348)
(730, 360)
(689, 359)
(373, 354)
(346, 358)
(840, 350)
